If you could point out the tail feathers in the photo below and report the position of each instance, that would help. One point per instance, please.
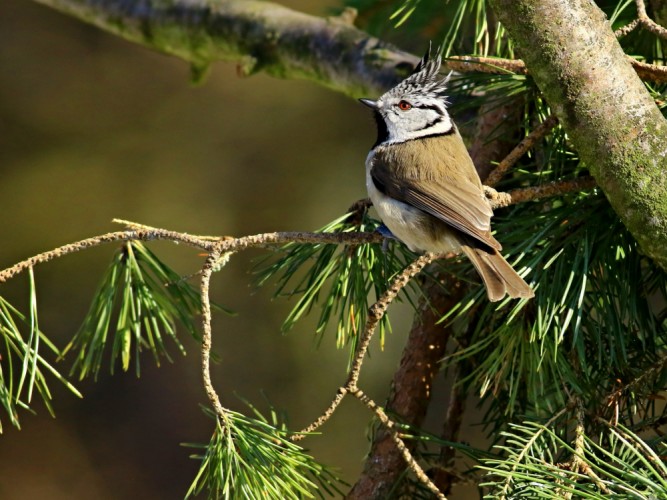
(498, 276)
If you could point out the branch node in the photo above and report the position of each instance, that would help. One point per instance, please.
(347, 16)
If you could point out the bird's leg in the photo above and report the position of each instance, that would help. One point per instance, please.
(387, 234)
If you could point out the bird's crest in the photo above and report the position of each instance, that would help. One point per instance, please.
(424, 79)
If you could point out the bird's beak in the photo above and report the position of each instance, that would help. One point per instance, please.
(369, 102)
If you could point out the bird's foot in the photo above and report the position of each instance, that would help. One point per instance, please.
(386, 232)
(388, 236)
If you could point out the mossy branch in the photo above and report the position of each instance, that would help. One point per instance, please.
(571, 51)
(259, 36)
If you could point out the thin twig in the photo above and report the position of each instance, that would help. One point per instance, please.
(579, 463)
(628, 28)
(43, 257)
(647, 23)
(207, 243)
(469, 64)
(326, 415)
(528, 142)
(376, 312)
(547, 190)
(649, 72)
(390, 425)
(615, 396)
(410, 389)
(206, 339)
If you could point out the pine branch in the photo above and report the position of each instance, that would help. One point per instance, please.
(521, 149)
(547, 190)
(497, 65)
(647, 23)
(410, 393)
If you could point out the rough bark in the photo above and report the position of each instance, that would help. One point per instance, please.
(260, 36)
(575, 59)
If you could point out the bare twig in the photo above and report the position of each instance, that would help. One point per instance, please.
(495, 65)
(650, 72)
(407, 456)
(647, 23)
(206, 339)
(614, 397)
(226, 244)
(628, 28)
(579, 463)
(528, 142)
(547, 190)
(411, 386)
(376, 312)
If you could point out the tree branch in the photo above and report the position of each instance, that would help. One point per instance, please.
(521, 149)
(647, 23)
(260, 36)
(410, 393)
(571, 52)
(547, 190)
(497, 65)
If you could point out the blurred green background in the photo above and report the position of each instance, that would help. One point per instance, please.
(92, 128)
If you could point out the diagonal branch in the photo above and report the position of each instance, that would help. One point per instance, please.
(410, 393)
(259, 36)
(647, 23)
(567, 46)
(521, 149)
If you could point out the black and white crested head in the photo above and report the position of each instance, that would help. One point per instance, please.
(416, 107)
(424, 80)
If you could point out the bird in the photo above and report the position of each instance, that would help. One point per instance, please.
(424, 185)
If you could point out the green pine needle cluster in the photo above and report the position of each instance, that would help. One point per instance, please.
(341, 282)
(137, 304)
(23, 368)
(538, 462)
(250, 458)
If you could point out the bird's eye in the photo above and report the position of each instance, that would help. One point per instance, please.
(404, 106)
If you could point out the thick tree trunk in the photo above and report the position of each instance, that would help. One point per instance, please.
(571, 52)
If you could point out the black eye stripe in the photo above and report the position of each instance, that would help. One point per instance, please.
(430, 106)
(432, 123)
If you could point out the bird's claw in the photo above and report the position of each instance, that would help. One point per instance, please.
(386, 233)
